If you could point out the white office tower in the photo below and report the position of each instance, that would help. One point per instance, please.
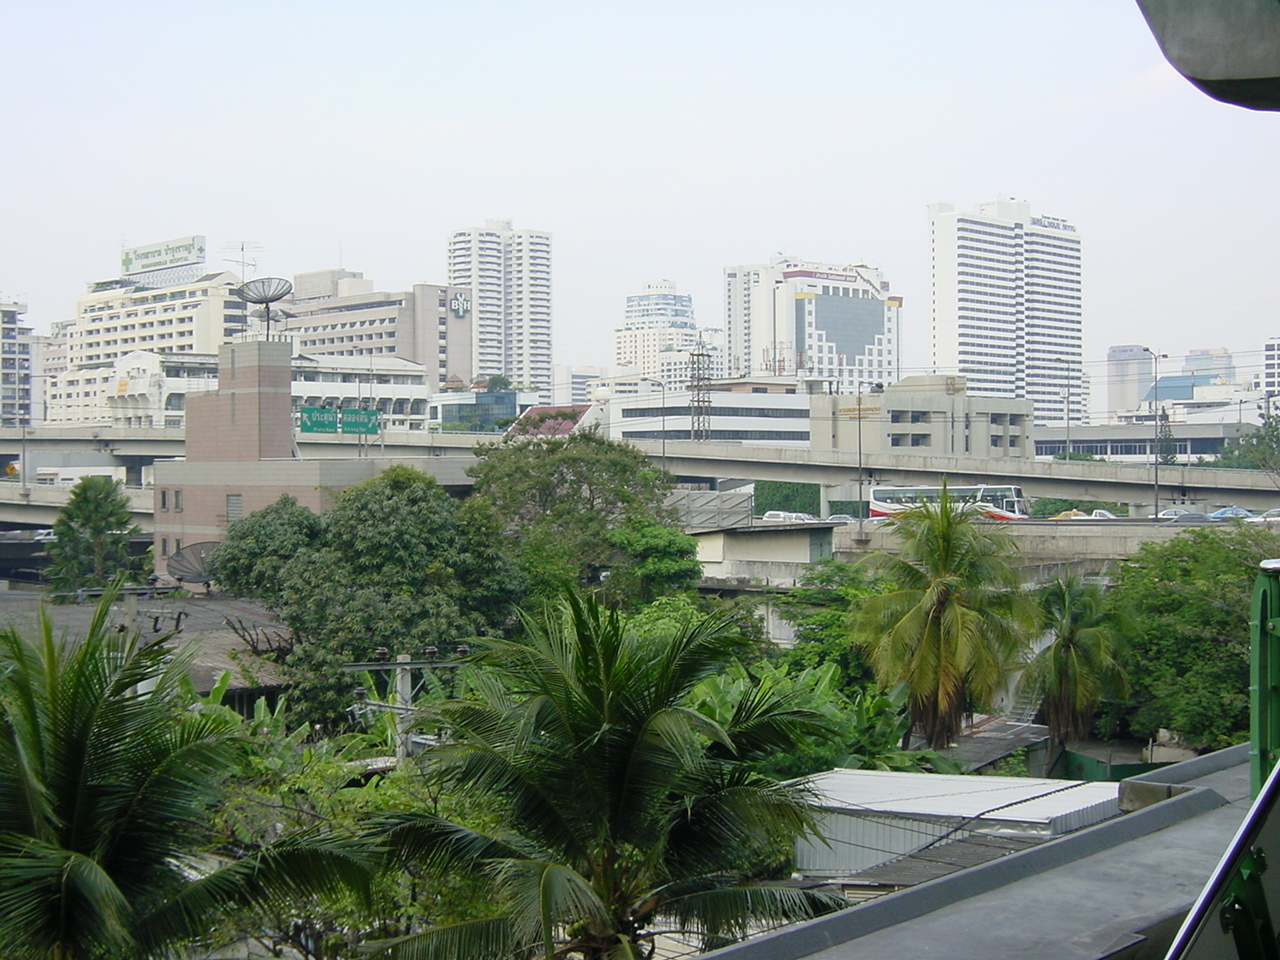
(1130, 372)
(659, 337)
(794, 318)
(509, 273)
(1007, 305)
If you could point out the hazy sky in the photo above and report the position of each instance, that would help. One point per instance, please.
(653, 139)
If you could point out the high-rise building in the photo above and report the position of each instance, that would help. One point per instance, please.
(18, 355)
(509, 273)
(1210, 363)
(659, 337)
(1130, 373)
(659, 302)
(1007, 305)
(794, 318)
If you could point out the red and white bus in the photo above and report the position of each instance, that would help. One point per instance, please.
(998, 501)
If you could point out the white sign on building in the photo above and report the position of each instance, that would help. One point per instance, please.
(182, 252)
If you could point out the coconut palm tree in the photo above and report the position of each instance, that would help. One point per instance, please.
(620, 811)
(1080, 665)
(954, 622)
(105, 780)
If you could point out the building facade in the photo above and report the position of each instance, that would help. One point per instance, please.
(660, 339)
(338, 313)
(509, 273)
(796, 318)
(19, 363)
(1130, 373)
(1007, 297)
(118, 317)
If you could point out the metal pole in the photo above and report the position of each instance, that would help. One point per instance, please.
(860, 500)
(404, 698)
(1155, 433)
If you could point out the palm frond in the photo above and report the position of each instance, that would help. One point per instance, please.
(488, 939)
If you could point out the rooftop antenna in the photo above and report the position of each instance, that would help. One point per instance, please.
(244, 248)
(266, 291)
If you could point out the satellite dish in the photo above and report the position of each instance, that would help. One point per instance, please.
(266, 291)
(190, 564)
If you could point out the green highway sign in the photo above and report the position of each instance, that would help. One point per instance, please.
(359, 421)
(318, 420)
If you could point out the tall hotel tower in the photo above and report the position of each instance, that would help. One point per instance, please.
(1007, 305)
(509, 273)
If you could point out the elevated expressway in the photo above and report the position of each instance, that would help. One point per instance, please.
(720, 465)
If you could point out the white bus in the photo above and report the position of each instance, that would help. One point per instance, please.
(996, 500)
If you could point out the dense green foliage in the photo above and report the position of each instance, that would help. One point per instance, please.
(954, 623)
(105, 795)
(621, 811)
(395, 564)
(580, 506)
(1260, 450)
(787, 495)
(1081, 663)
(819, 607)
(1188, 662)
(91, 537)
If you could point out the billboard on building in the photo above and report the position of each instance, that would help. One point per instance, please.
(182, 252)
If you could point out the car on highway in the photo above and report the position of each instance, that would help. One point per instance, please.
(1070, 515)
(1103, 515)
(1271, 516)
(1232, 513)
(1172, 512)
(1195, 518)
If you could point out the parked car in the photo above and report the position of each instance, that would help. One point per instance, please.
(1232, 513)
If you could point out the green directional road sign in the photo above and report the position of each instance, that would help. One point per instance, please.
(318, 420)
(359, 421)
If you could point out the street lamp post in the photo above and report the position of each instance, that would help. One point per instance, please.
(1155, 433)
(862, 506)
(663, 385)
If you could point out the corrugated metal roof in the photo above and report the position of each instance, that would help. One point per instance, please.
(939, 861)
(1022, 800)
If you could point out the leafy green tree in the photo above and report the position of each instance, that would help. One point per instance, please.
(396, 563)
(955, 622)
(107, 780)
(498, 383)
(787, 495)
(251, 560)
(1081, 663)
(1188, 660)
(91, 537)
(622, 812)
(660, 559)
(561, 497)
(1260, 450)
(819, 607)
(1166, 445)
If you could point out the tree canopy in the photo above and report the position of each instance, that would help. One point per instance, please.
(1188, 661)
(107, 780)
(580, 505)
(954, 623)
(620, 810)
(91, 537)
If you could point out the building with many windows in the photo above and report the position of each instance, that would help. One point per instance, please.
(1130, 373)
(795, 318)
(118, 317)
(659, 337)
(338, 313)
(1007, 305)
(509, 274)
(20, 398)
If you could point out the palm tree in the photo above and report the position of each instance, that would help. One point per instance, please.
(621, 812)
(105, 779)
(1080, 664)
(954, 622)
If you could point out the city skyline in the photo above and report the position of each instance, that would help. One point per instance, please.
(664, 142)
